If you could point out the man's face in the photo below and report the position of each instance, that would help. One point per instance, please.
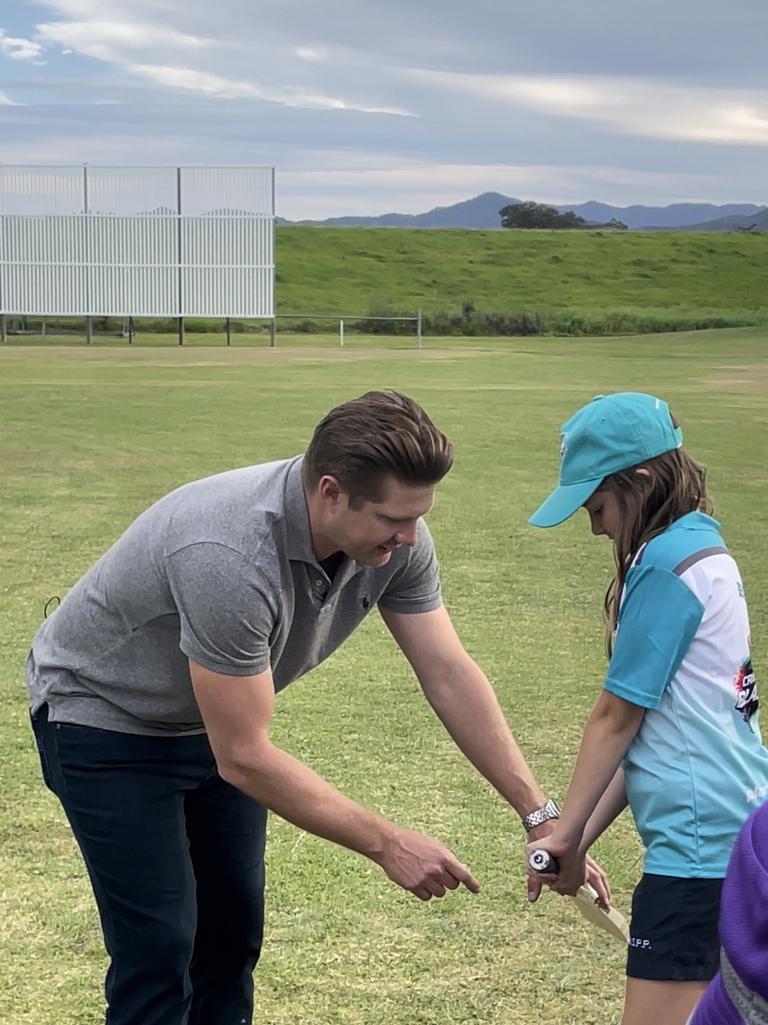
(369, 532)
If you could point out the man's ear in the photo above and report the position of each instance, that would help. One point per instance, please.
(329, 489)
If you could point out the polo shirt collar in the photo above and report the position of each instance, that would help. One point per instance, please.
(695, 521)
(299, 534)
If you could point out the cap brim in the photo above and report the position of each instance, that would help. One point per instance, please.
(563, 502)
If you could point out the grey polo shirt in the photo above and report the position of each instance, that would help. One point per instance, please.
(221, 571)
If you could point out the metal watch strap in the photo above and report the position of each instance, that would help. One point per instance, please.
(551, 810)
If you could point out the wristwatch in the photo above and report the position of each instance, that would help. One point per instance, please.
(551, 810)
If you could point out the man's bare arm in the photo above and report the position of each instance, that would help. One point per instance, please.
(237, 712)
(465, 703)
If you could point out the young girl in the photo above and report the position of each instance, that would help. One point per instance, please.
(674, 732)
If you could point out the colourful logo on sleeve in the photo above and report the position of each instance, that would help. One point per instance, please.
(745, 685)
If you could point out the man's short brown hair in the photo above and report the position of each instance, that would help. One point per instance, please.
(378, 435)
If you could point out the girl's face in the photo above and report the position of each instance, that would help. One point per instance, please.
(604, 513)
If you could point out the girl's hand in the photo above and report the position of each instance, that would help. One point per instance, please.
(599, 880)
(572, 866)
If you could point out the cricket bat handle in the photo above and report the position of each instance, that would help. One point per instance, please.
(543, 861)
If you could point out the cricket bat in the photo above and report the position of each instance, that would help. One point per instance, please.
(608, 919)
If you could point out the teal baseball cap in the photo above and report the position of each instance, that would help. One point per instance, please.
(609, 434)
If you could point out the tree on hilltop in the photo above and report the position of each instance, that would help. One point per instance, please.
(538, 215)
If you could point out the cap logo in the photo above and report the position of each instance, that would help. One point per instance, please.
(563, 444)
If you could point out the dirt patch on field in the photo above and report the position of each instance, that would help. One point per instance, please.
(753, 379)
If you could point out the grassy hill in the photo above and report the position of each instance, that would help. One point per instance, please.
(581, 282)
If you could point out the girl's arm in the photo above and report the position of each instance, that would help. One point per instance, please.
(610, 730)
(612, 803)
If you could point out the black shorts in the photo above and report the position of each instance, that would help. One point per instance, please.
(674, 929)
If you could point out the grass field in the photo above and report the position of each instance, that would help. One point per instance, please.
(91, 436)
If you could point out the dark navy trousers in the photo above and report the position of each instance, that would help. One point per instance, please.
(176, 859)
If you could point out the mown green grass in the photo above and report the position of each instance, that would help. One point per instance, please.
(91, 436)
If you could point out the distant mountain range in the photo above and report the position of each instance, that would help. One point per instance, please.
(756, 222)
(483, 212)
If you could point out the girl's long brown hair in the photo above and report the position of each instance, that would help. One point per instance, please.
(670, 486)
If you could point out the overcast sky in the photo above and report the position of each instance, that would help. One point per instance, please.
(372, 106)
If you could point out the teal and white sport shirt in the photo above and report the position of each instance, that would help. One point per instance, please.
(697, 766)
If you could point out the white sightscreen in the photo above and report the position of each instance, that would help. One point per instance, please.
(137, 241)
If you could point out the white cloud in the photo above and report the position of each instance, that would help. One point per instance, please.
(115, 40)
(212, 66)
(632, 105)
(189, 79)
(18, 48)
(6, 101)
(195, 81)
(311, 53)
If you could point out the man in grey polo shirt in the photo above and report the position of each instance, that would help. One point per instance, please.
(152, 690)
